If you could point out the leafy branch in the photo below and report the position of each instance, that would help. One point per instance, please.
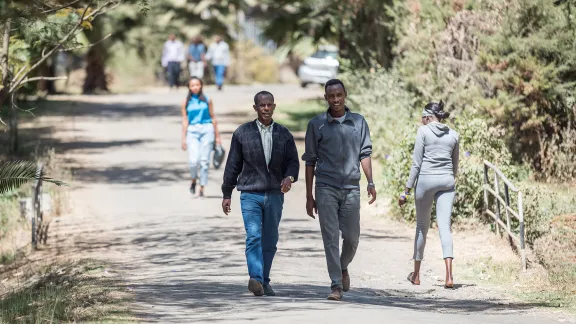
(14, 174)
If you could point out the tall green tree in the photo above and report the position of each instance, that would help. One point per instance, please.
(31, 33)
(360, 28)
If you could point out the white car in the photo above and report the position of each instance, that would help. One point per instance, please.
(320, 67)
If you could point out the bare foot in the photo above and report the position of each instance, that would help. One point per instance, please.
(414, 278)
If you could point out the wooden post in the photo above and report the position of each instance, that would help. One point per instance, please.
(522, 241)
(507, 200)
(497, 190)
(485, 183)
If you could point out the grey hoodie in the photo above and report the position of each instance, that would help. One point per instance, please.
(435, 152)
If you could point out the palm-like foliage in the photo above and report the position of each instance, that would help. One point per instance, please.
(14, 174)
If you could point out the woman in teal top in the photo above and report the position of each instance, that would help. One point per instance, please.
(199, 130)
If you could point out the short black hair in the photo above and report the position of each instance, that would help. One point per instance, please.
(332, 82)
(262, 93)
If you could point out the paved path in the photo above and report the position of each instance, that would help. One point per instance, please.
(184, 260)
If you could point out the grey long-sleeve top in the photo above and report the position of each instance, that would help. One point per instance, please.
(435, 152)
(336, 148)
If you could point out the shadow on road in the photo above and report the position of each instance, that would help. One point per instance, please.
(220, 299)
(215, 253)
(160, 172)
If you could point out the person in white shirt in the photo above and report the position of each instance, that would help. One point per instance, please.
(172, 57)
(219, 55)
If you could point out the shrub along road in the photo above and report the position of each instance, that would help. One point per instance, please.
(183, 260)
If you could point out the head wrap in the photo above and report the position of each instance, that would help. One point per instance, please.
(427, 113)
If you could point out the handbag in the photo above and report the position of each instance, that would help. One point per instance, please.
(218, 156)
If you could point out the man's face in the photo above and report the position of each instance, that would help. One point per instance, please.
(172, 37)
(265, 109)
(336, 97)
(218, 39)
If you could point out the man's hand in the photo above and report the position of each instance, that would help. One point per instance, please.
(218, 141)
(311, 207)
(226, 206)
(184, 145)
(286, 185)
(372, 193)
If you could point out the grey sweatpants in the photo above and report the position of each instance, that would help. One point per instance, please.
(338, 210)
(429, 189)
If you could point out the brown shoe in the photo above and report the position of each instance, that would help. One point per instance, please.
(336, 294)
(345, 280)
(255, 287)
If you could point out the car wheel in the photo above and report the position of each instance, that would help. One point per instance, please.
(304, 84)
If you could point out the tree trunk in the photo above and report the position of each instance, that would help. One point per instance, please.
(4, 92)
(13, 138)
(4, 61)
(96, 62)
(241, 45)
(95, 71)
(48, 69)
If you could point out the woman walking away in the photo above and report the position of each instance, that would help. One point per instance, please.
(199, 129)
(434, 165)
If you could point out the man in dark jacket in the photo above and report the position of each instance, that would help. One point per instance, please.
(262, 164)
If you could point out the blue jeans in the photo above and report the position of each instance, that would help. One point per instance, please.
(200, 141)
(173, 73)
(261, 212)
(219, 70)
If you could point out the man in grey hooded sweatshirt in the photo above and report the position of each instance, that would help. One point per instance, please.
(434, 165)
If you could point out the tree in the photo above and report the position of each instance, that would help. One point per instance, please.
(31, 34)
(46, 26)
(184, 18)
(362, 29)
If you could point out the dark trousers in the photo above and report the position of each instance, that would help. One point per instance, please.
(173, 73)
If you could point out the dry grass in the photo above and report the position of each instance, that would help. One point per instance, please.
(81, 291)
(536, 285)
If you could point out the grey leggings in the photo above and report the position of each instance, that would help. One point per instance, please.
(429, 189)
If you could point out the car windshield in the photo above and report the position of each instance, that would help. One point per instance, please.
(325, 54)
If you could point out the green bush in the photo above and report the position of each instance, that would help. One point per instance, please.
(389, 108)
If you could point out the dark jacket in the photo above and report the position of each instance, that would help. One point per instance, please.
(246, 164)
(336, 149)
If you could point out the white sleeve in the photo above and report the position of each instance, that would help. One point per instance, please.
(163, 60)
(227, 55)
(209, 53)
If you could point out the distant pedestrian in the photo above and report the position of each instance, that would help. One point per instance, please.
(434, 166)
(337, 143)
(219, 55)
(262, 164)
(172, 58)
(196, 57)
(199, 130)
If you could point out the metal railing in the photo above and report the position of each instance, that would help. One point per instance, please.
(499, 201)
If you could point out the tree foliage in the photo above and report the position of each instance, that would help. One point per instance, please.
(39, 29)
(361, 28)
(15, 174)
